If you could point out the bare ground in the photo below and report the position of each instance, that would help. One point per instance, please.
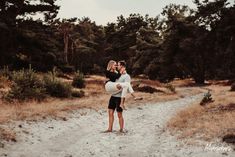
(81, 135)
(212, 120)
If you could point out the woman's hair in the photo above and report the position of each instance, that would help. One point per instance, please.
(110, 64)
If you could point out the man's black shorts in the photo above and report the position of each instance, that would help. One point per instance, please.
(114, 103)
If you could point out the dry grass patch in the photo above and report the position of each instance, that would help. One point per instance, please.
(7, 135)
(4, 82)
(53, 107)
(210, 121)
(153, 83)
(183, 82)
(4, 85)
(95, 98)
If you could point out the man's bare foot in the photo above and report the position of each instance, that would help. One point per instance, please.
(121, 130)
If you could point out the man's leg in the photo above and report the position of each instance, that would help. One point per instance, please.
(121, 121)
(111, 119)
(119, 113)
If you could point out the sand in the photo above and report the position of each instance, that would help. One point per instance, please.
(81, 135)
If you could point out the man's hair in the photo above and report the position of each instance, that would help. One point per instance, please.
(122, 63)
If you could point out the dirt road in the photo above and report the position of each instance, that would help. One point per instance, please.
(81, 135)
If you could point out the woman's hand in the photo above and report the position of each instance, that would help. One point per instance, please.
(105, 81)
(119, 87)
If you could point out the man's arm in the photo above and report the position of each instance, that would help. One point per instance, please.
(128, 78)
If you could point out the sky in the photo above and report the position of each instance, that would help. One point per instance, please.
(104, 11)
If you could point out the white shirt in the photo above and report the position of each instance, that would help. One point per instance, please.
(123, 78)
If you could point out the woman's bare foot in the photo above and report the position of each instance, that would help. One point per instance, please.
(138, 98)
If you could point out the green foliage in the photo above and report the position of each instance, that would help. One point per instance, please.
(56, 88)
(170, 87)
(84, 59)
(78, 80)
(78, 94)
(5, 72)
(20, 34)
(26, 85)
(233, 87)
(147, 89)
(3, 81)
(179, 43)
(67, 68)
(97, 69)
(206, 99)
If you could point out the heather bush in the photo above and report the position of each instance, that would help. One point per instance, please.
(170, 87)
(56, 88)
(78, 94)
(207, 98)
(233, 87)
(26, 85)
(78, 80)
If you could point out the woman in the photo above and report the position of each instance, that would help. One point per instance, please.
(113, 87)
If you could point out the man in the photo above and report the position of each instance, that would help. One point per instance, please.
(115, 100)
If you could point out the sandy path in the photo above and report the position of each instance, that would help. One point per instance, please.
(81, 135)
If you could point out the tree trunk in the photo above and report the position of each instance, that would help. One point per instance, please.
(66, 43)
(199, 80)
(199, 76)
(72, 51)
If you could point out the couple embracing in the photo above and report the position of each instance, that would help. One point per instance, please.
(119, 85)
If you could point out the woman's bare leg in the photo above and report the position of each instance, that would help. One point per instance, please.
(136, 98)
(124, 92)
(122, 103)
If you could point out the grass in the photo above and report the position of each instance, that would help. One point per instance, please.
(213, 120)
(95, 98)
(7, 135)
(207, 122)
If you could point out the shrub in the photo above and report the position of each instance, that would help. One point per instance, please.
(26, 85)
(206, 99)
(229, 138)
(147, 89)
(78, 94)
(56, 88)
(67, 69)
(63, 75)
(78, 80)
(170, 87)
(3, 81)
(233, 87)
(136, 84)
(97, 69)
(5, 72)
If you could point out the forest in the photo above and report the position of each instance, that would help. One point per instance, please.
(181, 42)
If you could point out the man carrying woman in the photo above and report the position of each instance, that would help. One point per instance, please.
(118, 85)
